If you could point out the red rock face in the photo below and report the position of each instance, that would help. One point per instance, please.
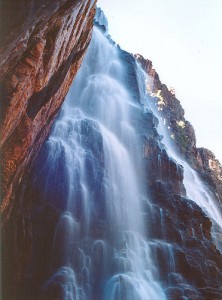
(41, 51)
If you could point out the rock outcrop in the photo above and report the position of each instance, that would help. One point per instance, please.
(185, 232)
(42, 47)
(181, 131)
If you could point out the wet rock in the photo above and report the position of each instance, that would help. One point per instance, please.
(214, 294)
(174, 293)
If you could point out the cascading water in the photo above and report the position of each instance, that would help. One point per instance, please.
(92, 163)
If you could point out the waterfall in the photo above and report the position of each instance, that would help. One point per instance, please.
(93, 174)
(110, 191)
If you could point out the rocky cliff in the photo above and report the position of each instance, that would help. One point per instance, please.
(42, 47)
(185, 227)
(181, 131)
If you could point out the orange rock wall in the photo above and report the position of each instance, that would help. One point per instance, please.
(39, 59)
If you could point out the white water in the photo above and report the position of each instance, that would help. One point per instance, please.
(102, 224)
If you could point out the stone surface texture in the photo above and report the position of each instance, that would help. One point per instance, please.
(185, 231)
(181, 131)
(42, 47)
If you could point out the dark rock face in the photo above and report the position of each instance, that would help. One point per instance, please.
(185, 231)
(182, 132)
(186, 252)
(42, 47)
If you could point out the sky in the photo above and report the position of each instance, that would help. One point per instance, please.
(183, 38)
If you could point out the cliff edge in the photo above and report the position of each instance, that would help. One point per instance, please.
(181, 131)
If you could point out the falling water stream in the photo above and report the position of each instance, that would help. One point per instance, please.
(99, 249)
